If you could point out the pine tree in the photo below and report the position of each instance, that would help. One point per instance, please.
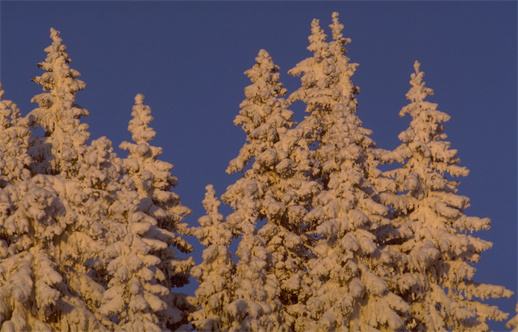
(80, 226)
(263, 266)
(325, 240)
(436, 251)
(348, 268)
(279, 163)
(144, 266)
(58, 114)
(215, 273)
(42, 228)
(14, 142)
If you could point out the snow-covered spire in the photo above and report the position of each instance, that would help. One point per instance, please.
(317, 40)
(433, 249)
(336, 27)
(138, 125)
(419, 91)
(326, 76)
(62, 84)
(152, 176)
(311, 69)
(58, 114)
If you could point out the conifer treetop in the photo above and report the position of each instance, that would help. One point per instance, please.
(62, 84)
(325, 76)
(339, 41)
(210, 202)
(425, 137)
(65, 139)
(336, 26)
(152, 176)
(264, 114)
(317, 40)
(418, 92)
(138, 125)
(263, 92)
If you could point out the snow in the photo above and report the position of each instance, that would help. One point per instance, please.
(438, 252)
(325, 239)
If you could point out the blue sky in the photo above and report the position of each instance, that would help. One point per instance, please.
(188, 59)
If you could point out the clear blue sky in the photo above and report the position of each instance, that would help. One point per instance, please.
(188, 59)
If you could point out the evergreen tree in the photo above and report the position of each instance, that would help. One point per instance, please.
(435, 250)
(325, 240)
(43, 231)
(144, 266)
(263, 265)
(348, 268)
(87, 240)
(215, 273)
(14, 142)
(278, 157)
(58, 114)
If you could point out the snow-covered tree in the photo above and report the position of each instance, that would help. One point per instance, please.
(325, 240)
(145, 265)
(42, 227)
(348, 268)
(436, 250)
(276, 181)
(65, 137)
(266, 160)
(87, 241)
(14, 142)
(216, 271)
(154, 182)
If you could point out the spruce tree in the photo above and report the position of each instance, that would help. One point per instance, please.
(215, 273)
(144, 266)
(87, 241)
(44, 231)
(270, 255)
(14, 142)
(348, 268)
(65, 137)
(436, 250)
(278, 158)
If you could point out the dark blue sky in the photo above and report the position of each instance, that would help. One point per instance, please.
(188, 59)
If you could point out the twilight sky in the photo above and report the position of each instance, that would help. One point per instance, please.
(188, 59)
